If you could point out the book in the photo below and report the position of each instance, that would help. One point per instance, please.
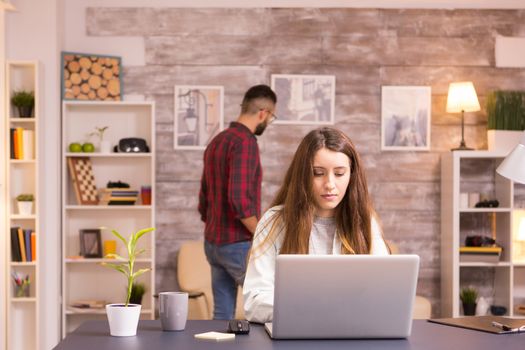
(19, 150)
(12, 142)
(21, 244)
(33, 245)
(480, 250)
(116, 196)
(121, 202)
(27, 239)
(15, 247)
(28, 145)
(490, 324)
(480, 254)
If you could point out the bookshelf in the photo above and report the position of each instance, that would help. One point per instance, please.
(23, 303)
(85, 278)
(502, 280)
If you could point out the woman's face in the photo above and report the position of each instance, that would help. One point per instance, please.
(330, 180)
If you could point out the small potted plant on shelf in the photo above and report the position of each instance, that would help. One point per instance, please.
(104, 146)
(137, 292)
(24, 101)
(505, 119)
(469, 297)
(25, 203)
(124, 317)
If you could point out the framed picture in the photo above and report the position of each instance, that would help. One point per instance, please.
(405, 118)
(91, 77)
(304, 99)
(90, 243)
(198, 115)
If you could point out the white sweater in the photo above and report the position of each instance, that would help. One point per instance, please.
(259, 281)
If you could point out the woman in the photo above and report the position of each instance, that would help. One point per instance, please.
(323, 207)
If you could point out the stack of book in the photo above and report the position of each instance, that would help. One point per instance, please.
(21, 143)
(23, 244)
(118, 196)
(480, 254)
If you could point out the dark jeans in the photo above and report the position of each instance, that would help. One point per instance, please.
(228, 267)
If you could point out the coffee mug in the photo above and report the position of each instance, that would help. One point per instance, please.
(173, 310)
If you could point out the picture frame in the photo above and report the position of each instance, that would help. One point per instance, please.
(90, 243)
(405, 118)
(198, 115)
(91, 77)
(304, 99)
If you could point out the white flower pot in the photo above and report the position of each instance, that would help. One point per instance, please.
(123, 321)
(25, 208)
(503, 141)
(105, 147)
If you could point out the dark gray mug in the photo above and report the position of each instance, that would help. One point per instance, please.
(173, 308)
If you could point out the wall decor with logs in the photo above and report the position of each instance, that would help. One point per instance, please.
(91, 77)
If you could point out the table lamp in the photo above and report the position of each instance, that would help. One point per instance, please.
(513, 166)
(462, 98)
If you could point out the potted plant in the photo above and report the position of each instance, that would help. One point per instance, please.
(138, 290)
(104, 146)
(25, 203)
(124, 317)
(24, 101)
(505, 119)
(469, 297)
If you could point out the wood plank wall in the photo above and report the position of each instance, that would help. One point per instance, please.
(364, 49)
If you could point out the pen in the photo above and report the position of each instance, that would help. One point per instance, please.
(501, 326)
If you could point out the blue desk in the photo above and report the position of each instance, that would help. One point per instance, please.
(94, 335)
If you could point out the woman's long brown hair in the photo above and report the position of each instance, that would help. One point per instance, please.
(353, 214)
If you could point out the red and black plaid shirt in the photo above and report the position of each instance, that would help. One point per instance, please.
(230, 185)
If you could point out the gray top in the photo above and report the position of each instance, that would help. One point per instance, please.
(322, 235)
(425, 335)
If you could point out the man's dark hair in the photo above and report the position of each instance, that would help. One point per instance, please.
(257, 97)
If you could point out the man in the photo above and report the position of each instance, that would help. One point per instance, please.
(230, 196)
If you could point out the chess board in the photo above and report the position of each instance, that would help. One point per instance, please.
(83, 180)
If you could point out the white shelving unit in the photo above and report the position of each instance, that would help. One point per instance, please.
(503, 281)
(22, 177)
(85, 278)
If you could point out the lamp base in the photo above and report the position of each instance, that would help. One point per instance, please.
(462, 148)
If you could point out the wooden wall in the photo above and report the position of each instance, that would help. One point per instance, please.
(364, 49)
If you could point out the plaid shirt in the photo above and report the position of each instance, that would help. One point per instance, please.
(230, 185)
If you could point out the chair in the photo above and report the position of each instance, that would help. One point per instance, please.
(422, 306)
(194, 277)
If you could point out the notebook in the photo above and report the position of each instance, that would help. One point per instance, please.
(343, 296)
(491, 324)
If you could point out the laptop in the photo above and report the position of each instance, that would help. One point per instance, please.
(343, 296)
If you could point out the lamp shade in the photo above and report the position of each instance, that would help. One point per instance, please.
(513, 166)
(462, 97)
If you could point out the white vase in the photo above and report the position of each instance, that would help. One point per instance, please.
(123, 321)
(25, 208)
(503, 141)
(105, 147)
(482, 307)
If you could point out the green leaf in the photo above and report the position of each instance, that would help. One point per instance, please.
(143, 232)
(118, 267)
(120, 237)
(140, 252)
(140, 272)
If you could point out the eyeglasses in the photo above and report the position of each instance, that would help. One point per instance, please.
(272, 117)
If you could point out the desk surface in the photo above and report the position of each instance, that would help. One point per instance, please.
(425, 335)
